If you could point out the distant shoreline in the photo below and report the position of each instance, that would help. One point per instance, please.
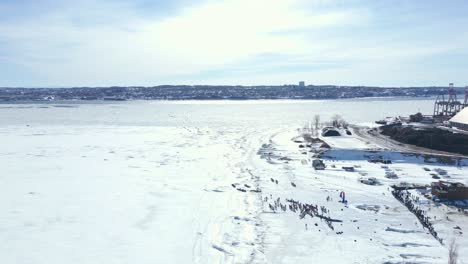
(65, 101)
(234, 93)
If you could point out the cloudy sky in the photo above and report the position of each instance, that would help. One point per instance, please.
(150, 42)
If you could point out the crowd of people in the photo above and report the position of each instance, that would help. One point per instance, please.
(410, 201)
(303, 209)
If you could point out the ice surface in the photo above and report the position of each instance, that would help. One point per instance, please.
(183, 182)
(123, 195)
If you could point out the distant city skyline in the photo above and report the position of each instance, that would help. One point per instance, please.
(53, 43)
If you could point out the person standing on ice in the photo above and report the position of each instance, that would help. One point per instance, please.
(342, 196)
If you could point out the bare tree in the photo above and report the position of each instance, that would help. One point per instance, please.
(344, 124)
(316, 122)
(453, 252)
(306, 132)
(336, 120)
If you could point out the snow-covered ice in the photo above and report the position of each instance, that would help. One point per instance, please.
(186, 182)
(122, 195)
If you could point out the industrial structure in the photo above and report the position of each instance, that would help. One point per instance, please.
(460, 120)
(447, 107)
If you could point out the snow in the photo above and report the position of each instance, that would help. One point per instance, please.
(121, 195)
(103, 184)
(461, 117)
(348, 141)
(385, 227)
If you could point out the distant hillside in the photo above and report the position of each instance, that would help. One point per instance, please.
(206, 92)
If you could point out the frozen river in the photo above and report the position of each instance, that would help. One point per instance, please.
(151, 182)
(213, 114)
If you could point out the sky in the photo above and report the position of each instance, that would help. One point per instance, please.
(60, 43)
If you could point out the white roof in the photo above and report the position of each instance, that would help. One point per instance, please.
(461, 117)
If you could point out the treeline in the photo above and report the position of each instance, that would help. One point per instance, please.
(432, 138)
(205, 92)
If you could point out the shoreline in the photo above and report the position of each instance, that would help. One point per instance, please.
(71, 101)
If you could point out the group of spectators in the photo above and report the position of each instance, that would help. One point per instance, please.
(410, 201)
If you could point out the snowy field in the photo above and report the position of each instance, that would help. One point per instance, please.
(183, 182)
(376, 228)
(122, 195)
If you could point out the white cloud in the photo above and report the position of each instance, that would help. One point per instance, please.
(137, 51)
(222, 32)
(109, 44)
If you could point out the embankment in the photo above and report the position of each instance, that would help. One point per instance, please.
(431, 138)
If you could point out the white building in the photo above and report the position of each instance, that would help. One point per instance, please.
(460, 120)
